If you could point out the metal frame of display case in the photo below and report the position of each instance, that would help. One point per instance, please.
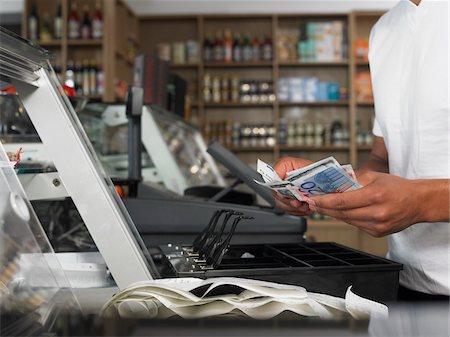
(27, 68)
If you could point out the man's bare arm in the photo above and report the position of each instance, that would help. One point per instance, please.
(378, 158)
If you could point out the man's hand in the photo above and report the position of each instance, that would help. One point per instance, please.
(386, 204)
(291, 206)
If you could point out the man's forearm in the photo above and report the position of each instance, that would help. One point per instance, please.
(433, 200)
(375, 163)
(378, 158)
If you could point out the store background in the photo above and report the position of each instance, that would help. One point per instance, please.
(11, 17)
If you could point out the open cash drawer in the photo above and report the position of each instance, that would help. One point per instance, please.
(327, 267)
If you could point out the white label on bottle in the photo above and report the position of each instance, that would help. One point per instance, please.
(74, 29)
(58, 27)
(97, 29)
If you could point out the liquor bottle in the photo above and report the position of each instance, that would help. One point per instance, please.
(227, 47)
(256, 50)
(70, 76)
(46, 34)
(33, 24)
(237, 48)
(74, 22)
(86, 81)
(78, 70)
(97, 22)
(93, 77)
(57, 23)
(267, 51)
(207, 50)
(218, 47)
(100, 84)
(86, 27)
(246, 50)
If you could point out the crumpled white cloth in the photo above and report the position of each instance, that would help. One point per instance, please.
(257, 299)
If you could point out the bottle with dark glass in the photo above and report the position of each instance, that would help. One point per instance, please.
(78, 75)
(207, 50)
(57, 22)
(237, 48)
(247, 51)
(33, 24)
(86, 26)
(93, 77)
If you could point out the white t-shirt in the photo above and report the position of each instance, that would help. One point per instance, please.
(409, 64)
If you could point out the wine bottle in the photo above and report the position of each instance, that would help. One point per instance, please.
(256, 50)
(267, 49)
(93, 77)
(74, 22)
(246, 50)
(97, 22)
(218, 47)
(207, 50)
(227, 47)
(33, 24)
(78, 70)
(237, 48)
(57, 22)
(86, 27)
(86, 82)
(46, 34)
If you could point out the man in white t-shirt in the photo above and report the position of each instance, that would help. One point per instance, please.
(406, 182)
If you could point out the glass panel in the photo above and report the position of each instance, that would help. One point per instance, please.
(32, 282)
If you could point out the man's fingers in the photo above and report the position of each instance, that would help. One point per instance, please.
(301, 210)
(289, 164)
(356, 215)
(341, 201)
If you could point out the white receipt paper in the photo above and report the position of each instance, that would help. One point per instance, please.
(193, 298)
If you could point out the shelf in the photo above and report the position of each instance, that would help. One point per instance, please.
(239, 105)
(315, 148)
(364, 103)
(184, 66)
(52, 43)
(312, 104)
(250, 148)
(259, 64)
(84, 42)
(312, 64)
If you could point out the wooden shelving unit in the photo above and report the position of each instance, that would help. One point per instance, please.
(109, 51)
(196, 27)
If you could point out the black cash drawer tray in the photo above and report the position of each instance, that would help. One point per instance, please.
(324, 267)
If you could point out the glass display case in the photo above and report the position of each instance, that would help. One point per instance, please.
(33, 285)
(173, 152)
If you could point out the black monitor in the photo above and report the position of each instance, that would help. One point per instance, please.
(241, 170)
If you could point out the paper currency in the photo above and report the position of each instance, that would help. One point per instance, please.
(322, 177)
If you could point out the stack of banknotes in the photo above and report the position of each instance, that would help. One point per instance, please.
(322, 177)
